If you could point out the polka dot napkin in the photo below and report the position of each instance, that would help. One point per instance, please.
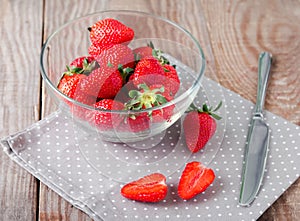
(89, 172)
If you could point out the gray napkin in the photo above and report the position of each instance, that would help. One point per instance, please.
(89, 172)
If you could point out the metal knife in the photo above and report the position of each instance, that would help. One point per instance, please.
(258, 138)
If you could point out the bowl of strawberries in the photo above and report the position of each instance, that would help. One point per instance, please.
(127, 75)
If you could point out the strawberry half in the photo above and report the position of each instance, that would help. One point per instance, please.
(110, 31)
(151, 188)
(199, 126)
(194, 180)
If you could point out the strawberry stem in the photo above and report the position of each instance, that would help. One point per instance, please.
(206, 109)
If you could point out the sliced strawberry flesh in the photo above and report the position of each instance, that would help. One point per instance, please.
(151, 188)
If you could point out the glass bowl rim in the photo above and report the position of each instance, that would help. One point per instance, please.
(130, 12)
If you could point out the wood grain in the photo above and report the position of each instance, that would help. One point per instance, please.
(20, 36)
(239, 31)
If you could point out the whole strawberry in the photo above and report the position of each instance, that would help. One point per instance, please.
(199, 126)
(106, 81)
(148, 71)
(194, 179)
(149, 97)
(136, 123)
(102, 118)
(172, 82)
(68, 83)
(115, 55)
(110, 31)
(81, 65)
(151, 188)
(142, 52)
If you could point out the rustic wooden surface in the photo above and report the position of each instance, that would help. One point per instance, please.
(238, 31)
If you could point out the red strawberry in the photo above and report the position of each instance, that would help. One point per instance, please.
(194, 180)
(105, 82)
(142, 52)
(199, 126)
(106, 120)
(148, 97)
(81, 62)
(81, 65)
(102, 83)
(172, 82)
(95, 50)
(68, 83)
(110, 31)
(151, 188)
(69, 86)
(113, 56)
(136, 123)
(148, 71)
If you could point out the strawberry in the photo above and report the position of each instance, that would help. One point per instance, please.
(172, 82)
(194, 179)
(148, 97)
(76, 71)
(81, 65)
(105, 120)
(106, 81)
(102, 83)
(199, 126)
(151, 188)
(69, 86)
(142, 52)
(110, 31)
(113, 56)
(68, 83)
(148, 71)
(95, 50)
(82, 62)
(136, 123)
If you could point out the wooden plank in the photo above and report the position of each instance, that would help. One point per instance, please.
(19, 100)
(239, 31)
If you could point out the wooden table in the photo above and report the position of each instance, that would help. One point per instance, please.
(238, 31)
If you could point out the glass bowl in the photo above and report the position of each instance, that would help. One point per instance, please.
(177, 45)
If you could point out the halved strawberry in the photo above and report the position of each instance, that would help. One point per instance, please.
(194, 180)
(151, 188)
(110, 31)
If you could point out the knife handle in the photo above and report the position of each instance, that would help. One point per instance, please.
(264, 66)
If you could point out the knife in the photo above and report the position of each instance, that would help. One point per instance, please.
(258, 138)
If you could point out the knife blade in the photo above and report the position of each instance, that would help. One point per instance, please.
(258, 138)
